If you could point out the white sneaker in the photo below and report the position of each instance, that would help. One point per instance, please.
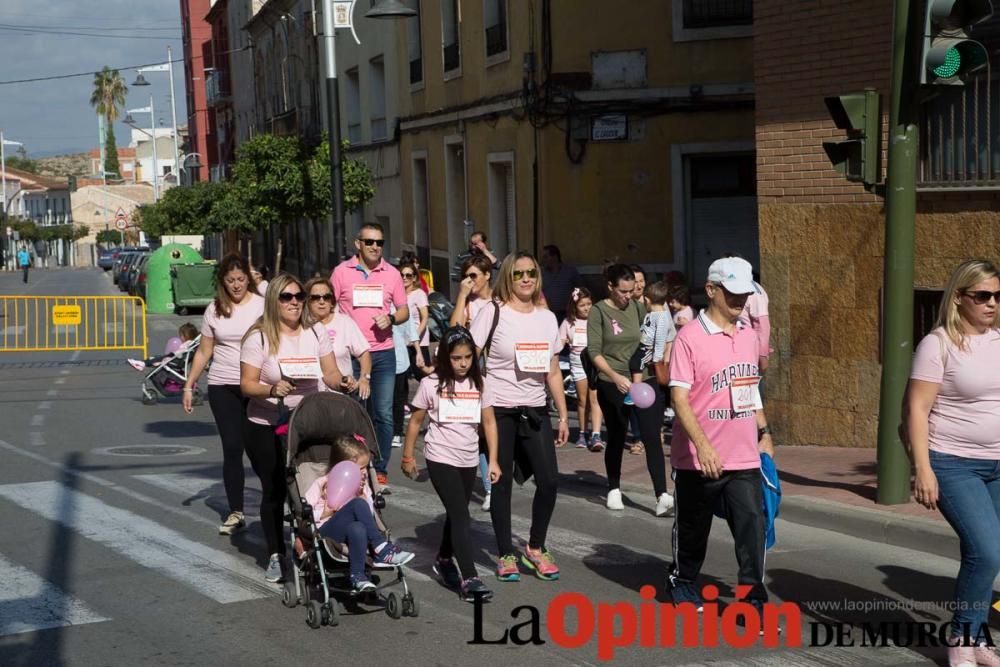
(664, 504)
(137, 365)
(486, 503)
(615, 500)
(397, 441)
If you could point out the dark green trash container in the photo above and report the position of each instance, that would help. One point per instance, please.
(194, 285)
(159, 267)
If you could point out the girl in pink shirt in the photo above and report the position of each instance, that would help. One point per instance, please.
(345, 336)
(457, 402)
(952, 422)
(573, 332)
(235, 308)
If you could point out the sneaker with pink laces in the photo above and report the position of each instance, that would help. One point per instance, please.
(541, 561)
(985, 656)
(961, 656)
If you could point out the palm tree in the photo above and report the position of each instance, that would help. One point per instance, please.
(108, 96)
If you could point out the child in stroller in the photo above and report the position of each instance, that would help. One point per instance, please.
(167, 373)
(322, 423)
(353, 524)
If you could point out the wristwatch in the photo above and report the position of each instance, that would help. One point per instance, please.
(761, 432)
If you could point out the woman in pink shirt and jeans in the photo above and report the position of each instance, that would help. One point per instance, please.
(953, 425)
(520, 339)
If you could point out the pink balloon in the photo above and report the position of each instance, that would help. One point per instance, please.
(172, 345)
(342, 484)
(642, 394)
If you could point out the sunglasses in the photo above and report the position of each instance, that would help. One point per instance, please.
(530, 273)
(407, 274)
(286, 297)
(474, 276)
(371, 242)
(983, 296)
(321, 297)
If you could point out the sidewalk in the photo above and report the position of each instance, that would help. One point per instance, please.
(832, 488)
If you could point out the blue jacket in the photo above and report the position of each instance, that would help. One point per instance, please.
(772, 497)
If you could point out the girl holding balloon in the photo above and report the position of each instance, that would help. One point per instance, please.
(458, 402)
(613, 336)
(344, 511)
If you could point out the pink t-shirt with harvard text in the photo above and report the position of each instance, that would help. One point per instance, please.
(453, 442)
(348, 342)
(381, 287)
(227, 333)
(705, 360)
(522, 349)
(965, 417)
(311, 343)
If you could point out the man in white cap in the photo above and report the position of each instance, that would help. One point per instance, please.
(719, 432)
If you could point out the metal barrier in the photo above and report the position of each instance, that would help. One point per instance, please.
(70, 323)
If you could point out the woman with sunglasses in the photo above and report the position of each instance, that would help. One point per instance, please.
(952, 423)
(235, 308)
(281, 361)
(345, 336)
(519, 338)
(416, 299)
(474, 290)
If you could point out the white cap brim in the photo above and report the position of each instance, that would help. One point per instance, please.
(739, 286)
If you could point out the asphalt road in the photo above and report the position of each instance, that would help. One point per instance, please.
(111, 556)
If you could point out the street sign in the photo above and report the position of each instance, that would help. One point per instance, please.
(121, 220)
(66, 315)
(612, 127)
(342, 10)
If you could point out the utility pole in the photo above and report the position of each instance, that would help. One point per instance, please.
(333, 123)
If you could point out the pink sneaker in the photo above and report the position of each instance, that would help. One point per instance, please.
(984, 655)
(541, 562)
(507, 568)
(137, 365)
(961, 656)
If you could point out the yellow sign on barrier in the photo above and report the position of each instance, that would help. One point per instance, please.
(66, 315)
(71, 323)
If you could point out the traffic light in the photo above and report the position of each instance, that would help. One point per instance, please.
(949, 56)
(858, 158)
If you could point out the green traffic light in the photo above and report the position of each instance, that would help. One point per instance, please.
(951, 65)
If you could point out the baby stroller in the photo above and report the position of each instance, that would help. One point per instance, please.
(321, 572)
(168, 379)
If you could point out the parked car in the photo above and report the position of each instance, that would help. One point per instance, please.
(123, 255)
(106, 260)
(128, 272)
(135, 272)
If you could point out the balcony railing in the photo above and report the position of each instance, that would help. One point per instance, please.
(717, 13)
(452, 57)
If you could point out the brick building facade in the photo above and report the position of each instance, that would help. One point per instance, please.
(822, 238)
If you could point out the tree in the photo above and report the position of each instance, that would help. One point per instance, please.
(358, 186)
(20, 160)
(108, 95)
(109, 237)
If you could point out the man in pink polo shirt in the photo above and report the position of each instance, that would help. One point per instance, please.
(719, 433)
(365, 287)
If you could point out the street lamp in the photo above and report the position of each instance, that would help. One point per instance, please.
(184, 165)
(140, 81)
(383, 9)
(131, 123)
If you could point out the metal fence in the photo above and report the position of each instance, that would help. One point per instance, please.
(71, 323)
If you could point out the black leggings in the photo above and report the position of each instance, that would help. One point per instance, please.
(454, 488)
(516, 435)
(616, 416)
(230, 411)
(265, 452)
(425, 353)
(400, 394)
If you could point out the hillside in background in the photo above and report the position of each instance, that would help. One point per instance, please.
(76, 164)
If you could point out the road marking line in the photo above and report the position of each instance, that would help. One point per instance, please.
(210, 572)
(60, 381)
(37, 420)
(36, 439)
(45, 405)
(64, 371)
(52, 392)
(31, 603)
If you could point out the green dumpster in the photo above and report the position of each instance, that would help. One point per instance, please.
(159, 290)
(194, 285)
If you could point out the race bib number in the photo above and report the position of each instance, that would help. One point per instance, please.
(746, 394)
(300, 368)
(580, 337)
(367, 296)
(532, 357)
(461, 407)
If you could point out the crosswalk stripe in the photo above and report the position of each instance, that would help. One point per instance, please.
(31, 603)
(213, 573)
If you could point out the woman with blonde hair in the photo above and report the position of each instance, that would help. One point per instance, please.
(281, 361)
(952, 415)
(519, 339)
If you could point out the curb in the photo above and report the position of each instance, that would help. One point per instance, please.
(907, 532)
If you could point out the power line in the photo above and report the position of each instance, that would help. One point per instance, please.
(86, 34)
(46, 28)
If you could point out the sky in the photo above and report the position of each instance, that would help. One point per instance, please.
(55, 117)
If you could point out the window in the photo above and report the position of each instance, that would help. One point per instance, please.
(353, 101)
(495, 22)
(415, 46)
(503, 220)
(958, 134)
(376, 99)
(925, 309)
(717, 13)
(450, 33)
(421, 214)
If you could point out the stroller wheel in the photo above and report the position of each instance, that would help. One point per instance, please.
(330, 616)
(289, 596)
(314, 614)
(198, 398)
(148, 399)
(410, 606)
(392, 606)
